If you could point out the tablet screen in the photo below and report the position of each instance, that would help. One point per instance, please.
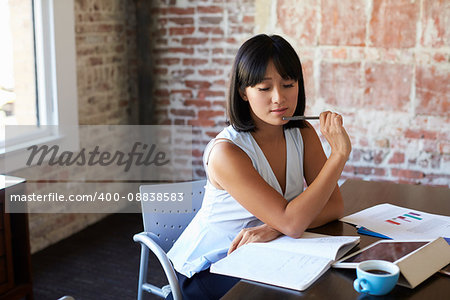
(390, 251)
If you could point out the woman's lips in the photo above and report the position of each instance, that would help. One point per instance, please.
(279, 111)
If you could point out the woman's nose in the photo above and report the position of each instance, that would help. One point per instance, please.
(277, 95)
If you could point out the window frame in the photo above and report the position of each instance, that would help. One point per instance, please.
(56, 79)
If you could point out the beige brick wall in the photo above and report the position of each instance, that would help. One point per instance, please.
(384, 64)
(106, 61)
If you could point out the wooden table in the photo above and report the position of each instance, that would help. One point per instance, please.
(337, 284)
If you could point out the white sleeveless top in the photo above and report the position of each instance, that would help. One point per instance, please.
(209, 235)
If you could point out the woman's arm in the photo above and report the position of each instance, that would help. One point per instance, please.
(231, 169)
(314, 159)
(262, 233)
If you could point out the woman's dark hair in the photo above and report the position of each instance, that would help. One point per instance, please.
(249, 69)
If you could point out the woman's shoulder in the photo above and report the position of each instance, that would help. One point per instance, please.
(232, 134)
(223, 156)
(237, 140)
(308, 131)
(228, 143)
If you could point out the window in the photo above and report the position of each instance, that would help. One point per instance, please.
(18, 101)
(43, 90)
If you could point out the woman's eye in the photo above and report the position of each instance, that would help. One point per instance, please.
(288, 85)
(263, 89)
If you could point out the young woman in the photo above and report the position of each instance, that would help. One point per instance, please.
(257, 166)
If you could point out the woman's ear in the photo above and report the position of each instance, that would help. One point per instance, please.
(243, 95)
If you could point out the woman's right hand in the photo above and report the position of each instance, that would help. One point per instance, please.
(331, 126)
(259, 234)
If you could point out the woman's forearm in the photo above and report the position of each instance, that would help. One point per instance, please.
(333, 210)
(302, 211)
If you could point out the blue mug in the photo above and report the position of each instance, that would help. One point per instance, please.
(376, 277)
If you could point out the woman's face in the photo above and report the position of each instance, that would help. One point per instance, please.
(272, 99)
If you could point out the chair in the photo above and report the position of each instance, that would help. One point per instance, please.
(161, 230)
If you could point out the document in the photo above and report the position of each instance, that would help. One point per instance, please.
(401, 223)
(286, 262)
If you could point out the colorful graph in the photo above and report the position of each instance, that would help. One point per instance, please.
(408, 217)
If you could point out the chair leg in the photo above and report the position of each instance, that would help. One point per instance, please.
(142, 270)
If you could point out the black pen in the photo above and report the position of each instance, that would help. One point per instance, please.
(301, 118)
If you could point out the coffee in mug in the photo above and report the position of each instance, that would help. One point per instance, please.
(376, 277)
(378, 272)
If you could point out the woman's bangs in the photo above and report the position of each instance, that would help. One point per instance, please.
(287, 67)
(253, 71)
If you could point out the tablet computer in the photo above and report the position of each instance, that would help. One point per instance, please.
(390, 250)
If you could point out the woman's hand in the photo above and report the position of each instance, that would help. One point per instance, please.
(331, 126)
(262, 233)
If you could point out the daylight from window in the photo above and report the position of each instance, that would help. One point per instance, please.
(17, 65)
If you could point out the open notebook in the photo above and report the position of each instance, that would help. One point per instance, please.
(286, 262)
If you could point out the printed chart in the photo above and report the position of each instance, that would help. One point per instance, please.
(401, 223)
(408, 217)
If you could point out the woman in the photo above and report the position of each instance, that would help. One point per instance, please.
(256, 168)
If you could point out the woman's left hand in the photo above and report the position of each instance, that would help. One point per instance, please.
(263, 233)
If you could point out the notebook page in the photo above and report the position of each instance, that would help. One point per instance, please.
(272, 266)
(314, 244)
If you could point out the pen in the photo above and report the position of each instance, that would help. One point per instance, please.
(365, 231)
(301, 118)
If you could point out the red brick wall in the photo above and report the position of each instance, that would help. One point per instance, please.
(384, 64)
(193, 50)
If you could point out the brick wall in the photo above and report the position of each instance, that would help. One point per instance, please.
(383, 64)
(193, 47)
(106, 61)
